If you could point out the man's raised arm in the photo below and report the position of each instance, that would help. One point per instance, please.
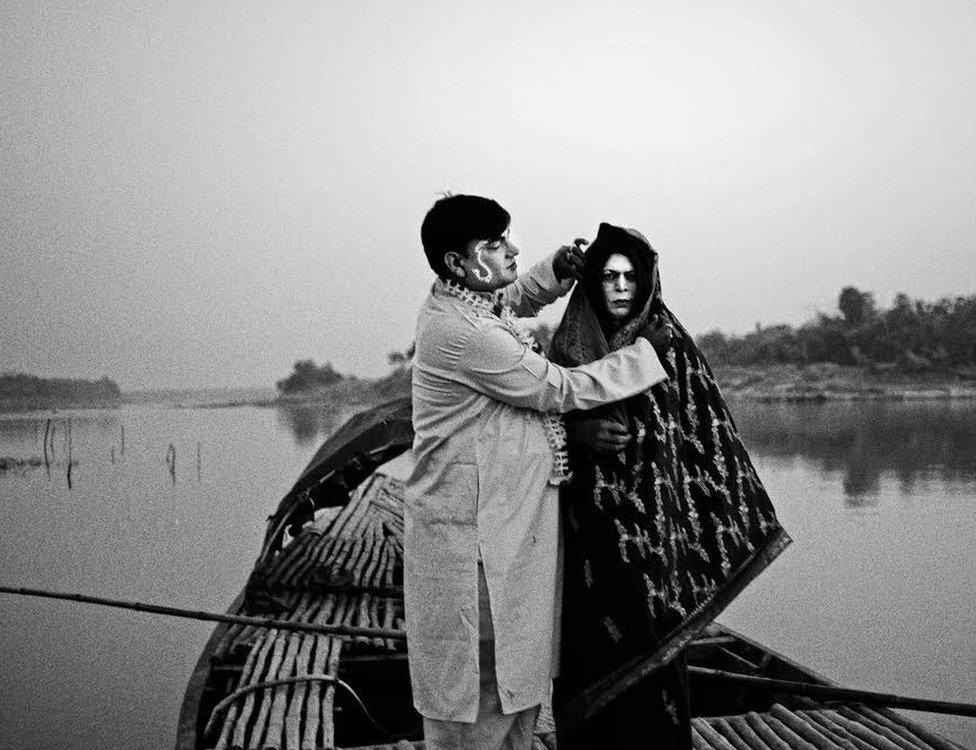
(494, 363)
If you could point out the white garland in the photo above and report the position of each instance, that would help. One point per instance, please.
(486, 304)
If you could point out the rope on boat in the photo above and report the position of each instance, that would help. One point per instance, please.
(241, 692)
(338, 631)
(838, 693)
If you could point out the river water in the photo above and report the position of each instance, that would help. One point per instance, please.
(878, 590)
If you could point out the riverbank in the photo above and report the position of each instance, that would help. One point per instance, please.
(20, 392)
(779, 383)
(830, 382)
(772, 383)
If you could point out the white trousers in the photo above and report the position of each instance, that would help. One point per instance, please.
(492, 730)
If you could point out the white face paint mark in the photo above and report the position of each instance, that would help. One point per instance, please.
(481, 271)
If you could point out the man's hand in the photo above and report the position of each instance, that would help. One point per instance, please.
(658, 331)
(569, 263)
(600, 435)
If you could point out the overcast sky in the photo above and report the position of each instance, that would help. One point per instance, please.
(197, 194)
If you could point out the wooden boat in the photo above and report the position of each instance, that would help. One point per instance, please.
(333, 556)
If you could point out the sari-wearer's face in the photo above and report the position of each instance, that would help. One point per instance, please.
(619, 283)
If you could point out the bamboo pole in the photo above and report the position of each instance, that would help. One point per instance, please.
(336, 630)
(740, 725)
(766, 734)
(47, 460)
(231, 718)
(698, 742)
(293, 716)
(274, 734)
(313, 704)
(803, 728)
(712, 736)
(794, 739)
(267, 693)
(724, 728)
(900, 729)
(862, 732)
(830, 726)
(70, 435)
(240, 730)
(838, 693)
(877, 728)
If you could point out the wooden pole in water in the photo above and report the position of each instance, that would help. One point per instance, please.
(349, 631)
(69, 433)
(831, 692)
(122, 444)
(47, 461)
(171, 461)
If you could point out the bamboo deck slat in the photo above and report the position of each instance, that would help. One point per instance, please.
(746, 732)
(724, 728)
(762, 729)
(885, 721)
(929, 737)
(314, 579)
(805, 729)
(827, 725)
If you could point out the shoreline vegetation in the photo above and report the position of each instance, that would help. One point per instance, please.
(21, 392)
(913, 350)
(816, 382)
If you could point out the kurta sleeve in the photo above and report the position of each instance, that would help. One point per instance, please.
(495, 363)
(535, 289)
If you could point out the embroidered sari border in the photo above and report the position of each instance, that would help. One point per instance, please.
(601, 692)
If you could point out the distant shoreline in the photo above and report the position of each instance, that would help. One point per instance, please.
(780, 383)
(813, 383)
(823, 382)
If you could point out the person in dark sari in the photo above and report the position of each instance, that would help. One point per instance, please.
(665, 519)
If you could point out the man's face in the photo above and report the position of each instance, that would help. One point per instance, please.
(490, 264)
(619, 281)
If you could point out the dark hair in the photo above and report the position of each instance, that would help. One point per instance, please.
(454, 221)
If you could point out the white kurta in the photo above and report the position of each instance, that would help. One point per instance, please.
(480, 487)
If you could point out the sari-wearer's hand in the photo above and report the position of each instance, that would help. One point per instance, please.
(658, 331)
(569, 262)
(600, 435)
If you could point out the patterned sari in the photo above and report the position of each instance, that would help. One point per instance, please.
(659, 538)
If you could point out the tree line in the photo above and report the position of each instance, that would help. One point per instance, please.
(22, 391)
(912, 336)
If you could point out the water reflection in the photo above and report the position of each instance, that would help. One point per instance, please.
(863, 441)
(311, 423)
(913, 442)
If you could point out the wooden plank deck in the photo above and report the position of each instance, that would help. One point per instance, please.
(343, 568)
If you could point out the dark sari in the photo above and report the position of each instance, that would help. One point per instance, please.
(658, 539)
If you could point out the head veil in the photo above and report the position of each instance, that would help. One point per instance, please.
(661, 537)
(587, 331)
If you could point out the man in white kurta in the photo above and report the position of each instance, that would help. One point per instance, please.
(480, 495)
